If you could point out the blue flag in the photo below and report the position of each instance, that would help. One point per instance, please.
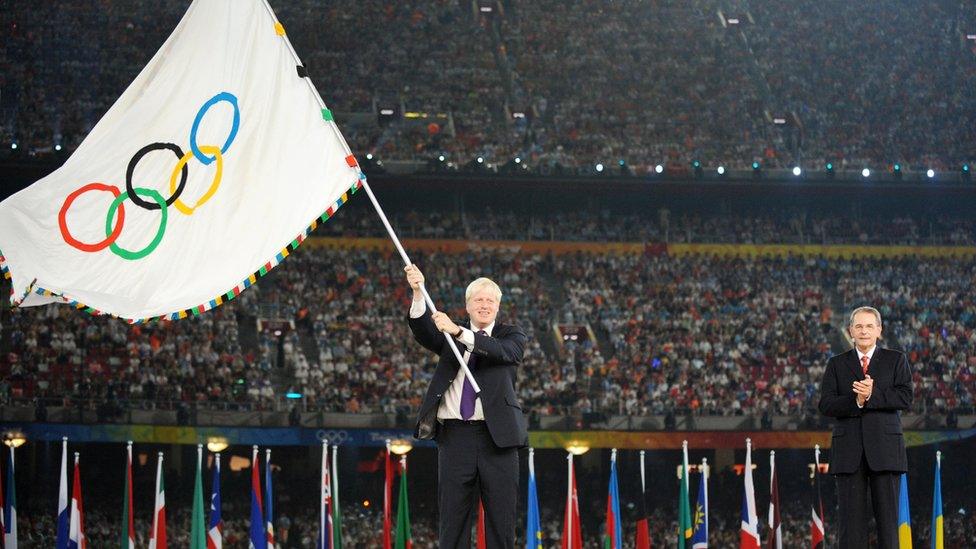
(533, 527)
(215, 528)
(614, 534)
(904, 517)
(699, 539)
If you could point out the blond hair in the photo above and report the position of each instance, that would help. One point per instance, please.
(482, 284)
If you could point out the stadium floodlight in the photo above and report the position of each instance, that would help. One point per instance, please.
(930, 173)
(756, 166)
(13, 146)
(695, 164)
(481, 160)
(518, 160)
(797, 171)
(721, 170)
(965, 172)
(441, 158)
(369, 156)
(57, 147)
(660, 169)
(599, 168)
(865, 173)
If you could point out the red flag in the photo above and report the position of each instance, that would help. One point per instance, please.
(482, 539)
(388, 502)
(572, 533)
(642, 539)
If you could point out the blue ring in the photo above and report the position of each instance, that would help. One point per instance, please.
(222, 96)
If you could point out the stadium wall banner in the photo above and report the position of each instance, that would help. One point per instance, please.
(677, 250)
(306, 436)
(216, 162)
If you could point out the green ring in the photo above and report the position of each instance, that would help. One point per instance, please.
(126, 254)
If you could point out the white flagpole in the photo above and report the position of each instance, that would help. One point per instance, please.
(705, 472)
(379, 211)
(643, 488)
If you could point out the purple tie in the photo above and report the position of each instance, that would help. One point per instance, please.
(468, 396)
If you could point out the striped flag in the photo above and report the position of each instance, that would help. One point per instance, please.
(64, 515)
(215, 529)
(268, 507)
(775, 525)
(257, 534)
(198, 533)
(904, 517)
(614, 533)
(572, 533)
(404, 538)
(749, 532)
(642, 539)
(684, 503)
(10, 508)
(157, 536)
(817, 530)
(699, 540)
(388, 501)
(76, 527)
(533, 525)
(938, 533)
(128, 529)
(334, 501)
(325, 502)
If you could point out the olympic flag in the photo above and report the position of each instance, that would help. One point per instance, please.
(217, 162)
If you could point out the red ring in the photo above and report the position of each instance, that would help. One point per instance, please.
(63, 223)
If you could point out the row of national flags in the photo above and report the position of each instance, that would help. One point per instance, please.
(207, 532)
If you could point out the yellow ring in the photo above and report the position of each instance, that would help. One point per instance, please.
(206, 149)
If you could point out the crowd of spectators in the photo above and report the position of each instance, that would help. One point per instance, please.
(693, 334)
(554, 82)
(661, 225)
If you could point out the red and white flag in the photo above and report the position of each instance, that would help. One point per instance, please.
(749, 533)
(572, 533)
(157, 536)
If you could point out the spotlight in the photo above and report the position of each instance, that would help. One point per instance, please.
(369, 156)
(697, 168)
(930, 173)
(696, 164)
(965, 172)
(621, 163)
(481, 160)
(440, 158)
(865, 173)
(518, 160)
(57, 147)
(721, 170)
(599, 168)
(13, 146)
(660, 169)
(797, 171)
(829, 170)
(896, 171)
(755, 165)
(756, 170)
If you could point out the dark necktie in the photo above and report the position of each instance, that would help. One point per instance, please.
(864, 364)
(468, 396)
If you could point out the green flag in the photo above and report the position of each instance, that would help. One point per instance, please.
(198, 532)
(684, 509)
(403, 511)
(336, 512)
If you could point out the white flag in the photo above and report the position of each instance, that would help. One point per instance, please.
(215, 163)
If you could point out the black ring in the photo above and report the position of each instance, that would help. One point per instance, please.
(136, 199)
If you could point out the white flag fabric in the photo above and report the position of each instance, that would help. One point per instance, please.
(215, 163)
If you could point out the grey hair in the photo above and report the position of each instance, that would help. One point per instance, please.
(864, 309)
(481, 284)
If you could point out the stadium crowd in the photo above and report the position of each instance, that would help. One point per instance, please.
(557, 83)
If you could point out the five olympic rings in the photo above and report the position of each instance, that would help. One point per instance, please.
(156, 201)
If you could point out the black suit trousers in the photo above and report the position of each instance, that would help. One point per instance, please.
(471, 467)
(852, 503)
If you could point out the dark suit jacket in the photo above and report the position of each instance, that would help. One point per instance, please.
(875, 430)
(496, 359)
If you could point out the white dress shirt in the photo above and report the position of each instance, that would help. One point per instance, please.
(450, 406)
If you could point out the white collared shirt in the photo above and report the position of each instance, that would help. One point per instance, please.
(450, 406)
(870, 355)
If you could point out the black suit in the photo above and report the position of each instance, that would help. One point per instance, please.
(867, 447)
(476, 457)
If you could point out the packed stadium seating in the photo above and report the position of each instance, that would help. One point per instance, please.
(568, 83)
